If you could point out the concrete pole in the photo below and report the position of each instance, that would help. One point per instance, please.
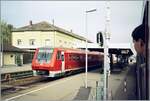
(106, 48)
(86, 55)
(106, 67)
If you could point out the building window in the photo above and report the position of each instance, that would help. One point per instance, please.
(65, 42)
(60, 41)
(19, 42)
(32, 41)
(47, 42)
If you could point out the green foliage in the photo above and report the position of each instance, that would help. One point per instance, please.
(5, 32)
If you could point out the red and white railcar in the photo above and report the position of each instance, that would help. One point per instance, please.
(52, 62)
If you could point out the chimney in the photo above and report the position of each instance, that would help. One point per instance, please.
(30, 22)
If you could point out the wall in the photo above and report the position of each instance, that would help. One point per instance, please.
(39, 36)
(9, 58)
(57, 39)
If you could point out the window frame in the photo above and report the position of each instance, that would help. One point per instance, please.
(47, 41)
(31, 42)
(19, 42)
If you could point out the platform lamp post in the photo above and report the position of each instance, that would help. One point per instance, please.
(86, 56)
(106, 50)
(54, 32)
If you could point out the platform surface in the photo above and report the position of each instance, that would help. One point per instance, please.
(12, 69)
(83, 93)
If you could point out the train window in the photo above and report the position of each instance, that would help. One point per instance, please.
(62, 57)
(70, 57)
(89, 57)
(81, 57)
(58, 55)
(74, 57)
(45, 55)
(78, 58)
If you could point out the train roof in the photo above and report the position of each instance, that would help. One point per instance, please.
(70, 50)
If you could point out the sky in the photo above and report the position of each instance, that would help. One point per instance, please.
(70, 15)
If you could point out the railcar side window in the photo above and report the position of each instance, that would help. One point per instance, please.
(58, 55)
(62, 57)
(70, 57)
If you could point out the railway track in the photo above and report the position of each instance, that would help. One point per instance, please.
(23, 80)
(19, 84)
(18, 80)
(13, 82)
(16, 75)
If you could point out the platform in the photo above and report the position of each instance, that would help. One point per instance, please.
(83, 93)
(121, 86)
(13, 69)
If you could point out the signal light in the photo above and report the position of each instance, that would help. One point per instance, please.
(99, 38)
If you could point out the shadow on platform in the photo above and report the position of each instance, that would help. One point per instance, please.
(83, 93)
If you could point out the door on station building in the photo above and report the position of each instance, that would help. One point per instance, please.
(63, 62)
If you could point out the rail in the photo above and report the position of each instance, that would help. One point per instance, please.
(16, 75)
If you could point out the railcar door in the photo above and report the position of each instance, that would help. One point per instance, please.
(62, 62)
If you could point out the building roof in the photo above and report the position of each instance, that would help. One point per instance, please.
(114, 48)
(45, 26)
(10, 48)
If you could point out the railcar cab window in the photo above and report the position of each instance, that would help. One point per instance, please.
(62, 56)
(44, 55)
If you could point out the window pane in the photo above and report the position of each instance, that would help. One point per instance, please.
(44, 55)
(19, 42)
(47, 42)
(32, 41)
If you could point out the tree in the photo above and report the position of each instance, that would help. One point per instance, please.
(5, 32)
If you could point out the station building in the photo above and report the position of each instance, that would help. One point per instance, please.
(44, 34)
(12, 56)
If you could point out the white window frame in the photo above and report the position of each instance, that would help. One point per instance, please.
(19, 42)
(47, 42)
(31, 42)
